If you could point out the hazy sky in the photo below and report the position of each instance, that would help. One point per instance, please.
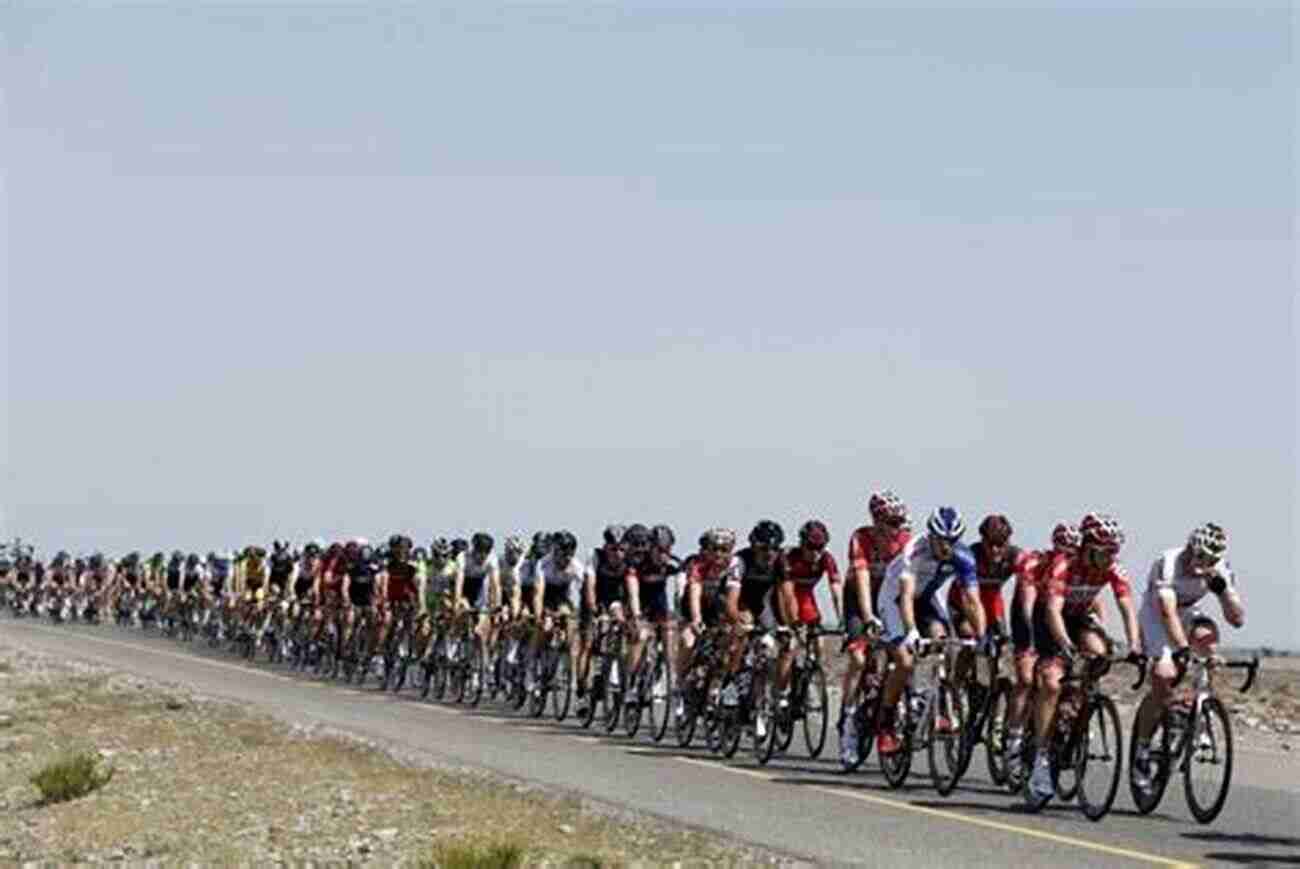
(306, 270)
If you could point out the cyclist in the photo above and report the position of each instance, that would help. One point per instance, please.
(805, 566)
(603, 589)
(1064, 619)
(652, 568)
(871, 548)
(753, 593)
(360, 573)
(478, 583)
(528, 573)
(1173, 623)
(399, 590)
(558, 573)
(1031, 571)
(706, 578)
(911, 605)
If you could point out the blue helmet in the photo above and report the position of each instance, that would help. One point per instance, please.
(946, 523)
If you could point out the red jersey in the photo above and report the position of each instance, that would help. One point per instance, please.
(992, 574)
(872, 547)
(1079, 584)
(805, 571)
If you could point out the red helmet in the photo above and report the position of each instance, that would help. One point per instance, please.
(885, 505)
(1102, 530)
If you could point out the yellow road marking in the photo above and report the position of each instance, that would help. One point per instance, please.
(965, 819)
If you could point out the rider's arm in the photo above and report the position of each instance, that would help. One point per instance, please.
(494, 587)
(589, 587)
(1167, 602)
(1230, 599)
(633, 587)
(539, 587)
(458, 584)
(837, 586)
(907, 601)
(733, 600)
(970, 597)
(693, 595)
(860, 577)
(1124, 600)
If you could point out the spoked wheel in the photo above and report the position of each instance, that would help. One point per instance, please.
(561, 685)
(896, 765)
(637, 699)
(764, 720)
(611, 700)
(816, 704)
(1035, 803)
(440, 669)
(363, 655)
(1207, 761)
(475, 671)
(595, 697)
(541, 664)
(1166, 752)
(660, 702)
(1099, 758)
(731, 722)
(947, 733)
(995, 732)
(684, 724)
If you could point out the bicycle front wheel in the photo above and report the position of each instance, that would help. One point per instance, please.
(1165, 752)
(995, 733)
(946, 728)
(1207, 764)
(1099, 759)
(561, 685)
(816, 702)
(661, 696)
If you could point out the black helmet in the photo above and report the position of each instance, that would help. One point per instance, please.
(541, 545)
(564, 543)
(97, 561)
(637, 537)
(192, 559)
(767, 533)
(459, 545)
(995, 528)
(614, 534)
(663, 536)
(483, 542)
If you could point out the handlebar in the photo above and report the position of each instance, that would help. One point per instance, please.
(1214, 661)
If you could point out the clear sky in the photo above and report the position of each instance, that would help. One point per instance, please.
(315, 269)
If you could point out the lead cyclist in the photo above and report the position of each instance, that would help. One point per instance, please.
(1173, 624)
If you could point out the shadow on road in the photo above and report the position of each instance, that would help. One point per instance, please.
(1249, 859)
(1244, 839)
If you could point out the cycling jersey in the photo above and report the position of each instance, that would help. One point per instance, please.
(255, 574)
(652, 580)
(193, 577)
(559, 581)
(1169, 574)
(930, 575)
(361, 582)
(872, 548)
(305, 579)
(992, 574)
(475, 572)
(402, 585)
(756, 583)
(712, 576)
(509, 579)
(610, 577)
(442, 581)
(283, 571)
(806, 571)
(173, 577)
(1069, 578)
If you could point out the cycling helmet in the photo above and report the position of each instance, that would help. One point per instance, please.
(663, 537)
(996, 529)
(541, 544)
(483, 542)
(459, 545)
(311, 550)
(719, 538)
(767, 533)
(564, 543)
(365, 553)
(1103, 531)
(1208, 541)
(192, 560)
(419, 554)
(613, 534)
(516, 546)
(637, 538)
(1066, 537)
(97, 561)
(814, 533)
(878, 504)
(441, 550)
(946, 524)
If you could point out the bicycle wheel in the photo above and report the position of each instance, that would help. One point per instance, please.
(661, 693)
(995, 732)
(595, 696)
(1207, 761)
(440, 668)
(475, 671)
(612, 693)
(1166, 749)
(637, 699)
(764, 719)
(541, 666)
(1099, 758)
(947, 741)
(896, 765)
(815, 704)
(561, 685)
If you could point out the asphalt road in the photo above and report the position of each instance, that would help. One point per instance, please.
(795, 805)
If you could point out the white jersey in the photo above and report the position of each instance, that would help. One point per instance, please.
(1169, 573)
(564, 577)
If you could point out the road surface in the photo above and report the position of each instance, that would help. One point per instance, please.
(795, 805)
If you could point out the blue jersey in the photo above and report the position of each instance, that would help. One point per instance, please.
(931, 573)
